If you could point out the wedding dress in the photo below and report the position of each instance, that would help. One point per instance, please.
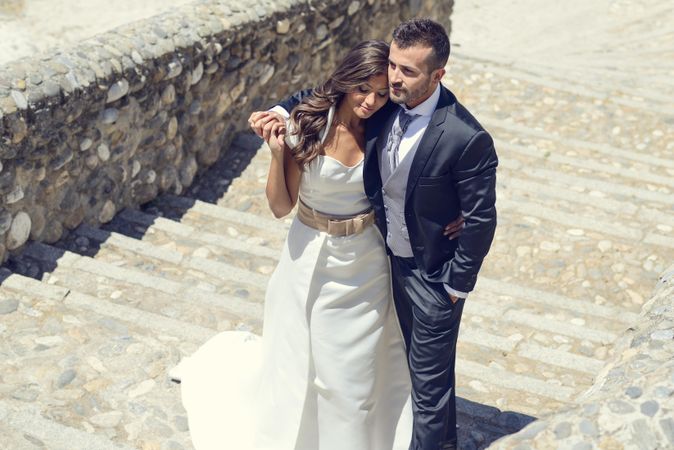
(329, 372)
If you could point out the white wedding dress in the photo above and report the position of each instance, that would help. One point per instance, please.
(329, 372)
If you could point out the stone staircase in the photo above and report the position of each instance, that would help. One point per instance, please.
(90, 325)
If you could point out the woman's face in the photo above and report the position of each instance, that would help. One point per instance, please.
(369, 97)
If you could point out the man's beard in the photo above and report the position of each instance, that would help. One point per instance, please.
(405, 96)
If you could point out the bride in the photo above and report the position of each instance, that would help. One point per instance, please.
(329, 372)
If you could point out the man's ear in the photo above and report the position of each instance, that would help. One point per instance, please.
(438, 74)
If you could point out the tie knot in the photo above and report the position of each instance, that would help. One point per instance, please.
(405, 119)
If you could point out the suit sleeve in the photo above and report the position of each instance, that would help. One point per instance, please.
(289, 103)
(475, 183)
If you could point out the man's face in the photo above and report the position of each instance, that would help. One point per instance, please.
(411, 81)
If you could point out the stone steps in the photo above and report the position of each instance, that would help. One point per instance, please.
(205, 263)
(551, 76)
(585, 226)
(606, 188)
(475, 337)
(194, 229)
(98, 367)
(134, 284)
(603, 169)
(573, 115)
(30, 429)
(577, 146)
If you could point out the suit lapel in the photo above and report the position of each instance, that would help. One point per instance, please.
(371, 175)
(375, 139)
(427, 144)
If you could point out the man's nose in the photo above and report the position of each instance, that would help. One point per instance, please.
(393, 76)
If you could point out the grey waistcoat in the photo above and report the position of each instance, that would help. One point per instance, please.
(393, 190)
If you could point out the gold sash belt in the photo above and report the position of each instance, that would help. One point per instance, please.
(334, 226)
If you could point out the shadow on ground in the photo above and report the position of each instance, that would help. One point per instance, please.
(480, 425)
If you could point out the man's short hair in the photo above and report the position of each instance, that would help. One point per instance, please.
(427, 33)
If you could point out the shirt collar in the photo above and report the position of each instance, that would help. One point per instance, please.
(427, 107)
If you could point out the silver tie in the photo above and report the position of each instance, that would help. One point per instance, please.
(400, 125)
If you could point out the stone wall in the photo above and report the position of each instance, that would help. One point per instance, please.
(631, 405)
(137, 111)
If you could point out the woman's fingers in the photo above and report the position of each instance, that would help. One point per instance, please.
(262, 122)
(276, 136)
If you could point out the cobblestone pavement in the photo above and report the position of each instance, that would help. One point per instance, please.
(91, 325)
(31, 26)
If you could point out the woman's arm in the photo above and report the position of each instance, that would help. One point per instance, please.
(283, 182)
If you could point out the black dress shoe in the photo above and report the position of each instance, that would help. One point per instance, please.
(449, 446)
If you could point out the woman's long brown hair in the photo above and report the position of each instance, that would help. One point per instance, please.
(310, 117)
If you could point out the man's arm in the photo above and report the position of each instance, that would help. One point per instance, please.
(289, 103)
(475, 175)
(262, 121)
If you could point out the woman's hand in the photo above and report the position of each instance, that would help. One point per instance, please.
(262, 122)
(276, 139)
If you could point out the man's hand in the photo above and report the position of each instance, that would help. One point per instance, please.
(453, 298)
(453, 229)
(262, 122)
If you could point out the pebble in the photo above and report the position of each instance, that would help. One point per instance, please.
(523, 250)
(618, 267)
(8, 306)
(142, 388)
(181, 423)
(550, 246)
(65, 378)
(19, 99)
(649, 408)
(109, 116)
(283, 26)
(107, 212)
(96, 364)
(667, 427)
(478, 386)
(107, 420)
(49, 341)
(620, 407)
(663, 335)
(604, 246)
(118, 90)
(175, 68)
(588, 428)
(28, 393)
(19, 231)
(634, 392)
(197, 73)
(354, 6)
(103, 152)
(635, 297)
(663, 391)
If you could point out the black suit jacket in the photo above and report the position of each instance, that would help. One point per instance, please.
(453, 172)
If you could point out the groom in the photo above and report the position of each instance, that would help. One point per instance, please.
(427, 161)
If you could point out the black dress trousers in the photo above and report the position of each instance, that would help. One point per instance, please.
(430, 326)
